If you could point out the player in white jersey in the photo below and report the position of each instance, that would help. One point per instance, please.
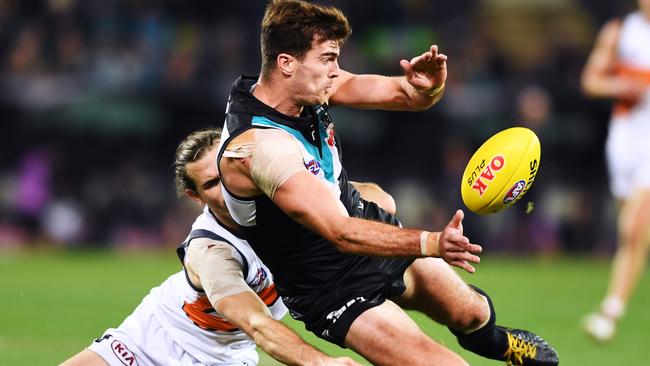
(619, 68)
(215, 310)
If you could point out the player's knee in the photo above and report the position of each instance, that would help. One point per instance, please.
(473, 314)
(471, 319)
(631, 234)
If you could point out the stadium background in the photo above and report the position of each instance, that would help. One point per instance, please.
(94, 96)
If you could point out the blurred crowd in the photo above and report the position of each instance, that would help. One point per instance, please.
(95, 95)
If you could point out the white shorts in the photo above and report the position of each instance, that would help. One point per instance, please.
(628, 153)
(142, 341)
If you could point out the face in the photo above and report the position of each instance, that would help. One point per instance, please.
(205, 176)
(315, 73)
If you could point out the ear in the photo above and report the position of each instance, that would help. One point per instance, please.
(286, 64)
(194, 197)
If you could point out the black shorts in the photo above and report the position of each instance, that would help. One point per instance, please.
(366, 284)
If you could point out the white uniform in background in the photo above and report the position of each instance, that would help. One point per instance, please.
(629, 131)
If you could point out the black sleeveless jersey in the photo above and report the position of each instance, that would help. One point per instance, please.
(302, 262)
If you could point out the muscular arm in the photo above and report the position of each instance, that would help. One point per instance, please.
(211, 264)
(307, 200)
(250, 314)
(599, 77)
(420, 88)
(348, 234)
(381, 92)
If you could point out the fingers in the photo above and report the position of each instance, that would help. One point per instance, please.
(464, 265)
(462, 260)
(429, 57)
(407, 67)
(457, 220)
(422, 59)
(441, 59)
(474, 248)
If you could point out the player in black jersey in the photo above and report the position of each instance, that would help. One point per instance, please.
(331, 252)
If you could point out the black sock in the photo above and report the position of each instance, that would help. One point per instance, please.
(488, 341)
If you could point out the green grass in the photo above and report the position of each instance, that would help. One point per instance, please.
(54, 304)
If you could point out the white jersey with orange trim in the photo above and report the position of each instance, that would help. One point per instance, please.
(194, 324)
(176, 321)
(629, 129)
(633, 55)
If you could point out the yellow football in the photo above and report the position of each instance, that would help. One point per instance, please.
(501, 171)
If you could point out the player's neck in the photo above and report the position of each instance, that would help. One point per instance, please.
(221, 213)
(277, 97)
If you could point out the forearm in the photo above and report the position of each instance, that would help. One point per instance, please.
(250, 314)
(359, 236)
(284, 345)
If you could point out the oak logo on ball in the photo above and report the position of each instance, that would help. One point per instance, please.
(501, 170)
(488, 174)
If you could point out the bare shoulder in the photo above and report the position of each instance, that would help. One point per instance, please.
(257, 135)
(272, 134)
(204, 252)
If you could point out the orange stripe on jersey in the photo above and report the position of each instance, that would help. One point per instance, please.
(268, 295)
(643, 75)
(200, 312)
(640, 74)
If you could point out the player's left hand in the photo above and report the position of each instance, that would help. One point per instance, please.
(427, 71)
(455, 248)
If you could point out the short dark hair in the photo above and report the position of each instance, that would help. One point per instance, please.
(290, 26)
(191, 149)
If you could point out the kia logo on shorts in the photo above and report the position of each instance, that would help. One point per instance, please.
(514, 192)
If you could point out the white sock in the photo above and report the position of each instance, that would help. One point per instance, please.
(612, 307)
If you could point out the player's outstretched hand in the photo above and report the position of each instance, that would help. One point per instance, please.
(455, 248)
(427, 71)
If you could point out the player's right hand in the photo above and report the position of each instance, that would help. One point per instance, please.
(455, 248)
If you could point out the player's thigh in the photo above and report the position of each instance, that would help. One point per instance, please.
(435, 289)
(85, 358)
(385, 335)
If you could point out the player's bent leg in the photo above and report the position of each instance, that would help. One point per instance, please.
(386, 335)
(514, 346)
(435, 289)
(85, 358)
(469, 314)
